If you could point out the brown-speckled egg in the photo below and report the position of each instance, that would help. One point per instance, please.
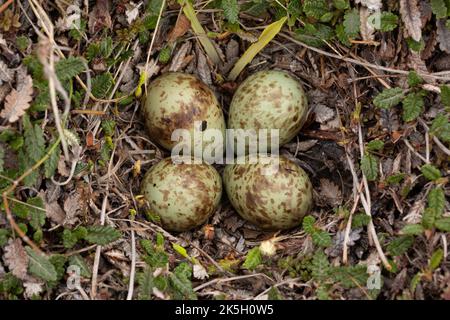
(177, 100)
(183, 195)
(271, 199)
(269, 99)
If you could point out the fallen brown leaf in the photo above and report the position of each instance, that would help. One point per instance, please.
(16, 258)
(17, 102)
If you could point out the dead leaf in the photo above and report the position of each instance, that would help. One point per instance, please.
(32, 289)
(62, 168)
(132, 11)
(331, 192)
(203, 69)
(4, 90)
(54, 211)
(180, 57)
(367, 29)
(411, 18)
(16, 258)
(371, 4)
(181, 27)
(6, 74)
(72, 208)
(200, 272)
(323, 113)
(99, 17)
(17, 102)
(415, 213)
(443, 35)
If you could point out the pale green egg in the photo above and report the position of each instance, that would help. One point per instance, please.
(183, 195)
(269, 99)
(272, 195)
(177, 101)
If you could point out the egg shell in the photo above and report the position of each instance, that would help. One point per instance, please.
(183, 195)
(175, 101)
(273, 201)
(269, 99)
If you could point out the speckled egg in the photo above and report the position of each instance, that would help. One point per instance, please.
(269, 99)
(183, 195)
(271, 197)
(176, 101)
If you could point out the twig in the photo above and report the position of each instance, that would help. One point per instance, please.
(439, 76)
(365, 200)
(349, 225)
(5, 5)
(282, 283)
(220, 280)
(155, 32)
(410, 147)
(133, 266)
(435, 139)
(98, 251)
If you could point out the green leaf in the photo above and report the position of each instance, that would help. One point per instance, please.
(230, 10)
(315, 8)
(52, 162)
(414, 45)
(395, 178)
(320, 267)
(4, 234)
(352, 23)
(388, 98)
(321, 238)
(436, 201)
(102, 84)
(69, 239)
(102, 235)
(68, 68)
(155, 258)
(342, 36)
(308, 224)
(77, 260)
(360, 220)
(436, 259)
(369, 166)
(341, 4)
(412, 106)
(36, 215)
(412, 229)
(400, 245)
(445, 95)
(34, 140)
(58, 261)
(108, 127)
(181, 250)
(414, 79)
(265, 37)
(430, 172)
(145, 284)
(314, 34)
(388, 21)
(375, 145)
(350, 276)
(439, 8)
(253, 259)
(443, 224)
(180, 281)
(40, 266)
(440, 128)
(164, 55)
